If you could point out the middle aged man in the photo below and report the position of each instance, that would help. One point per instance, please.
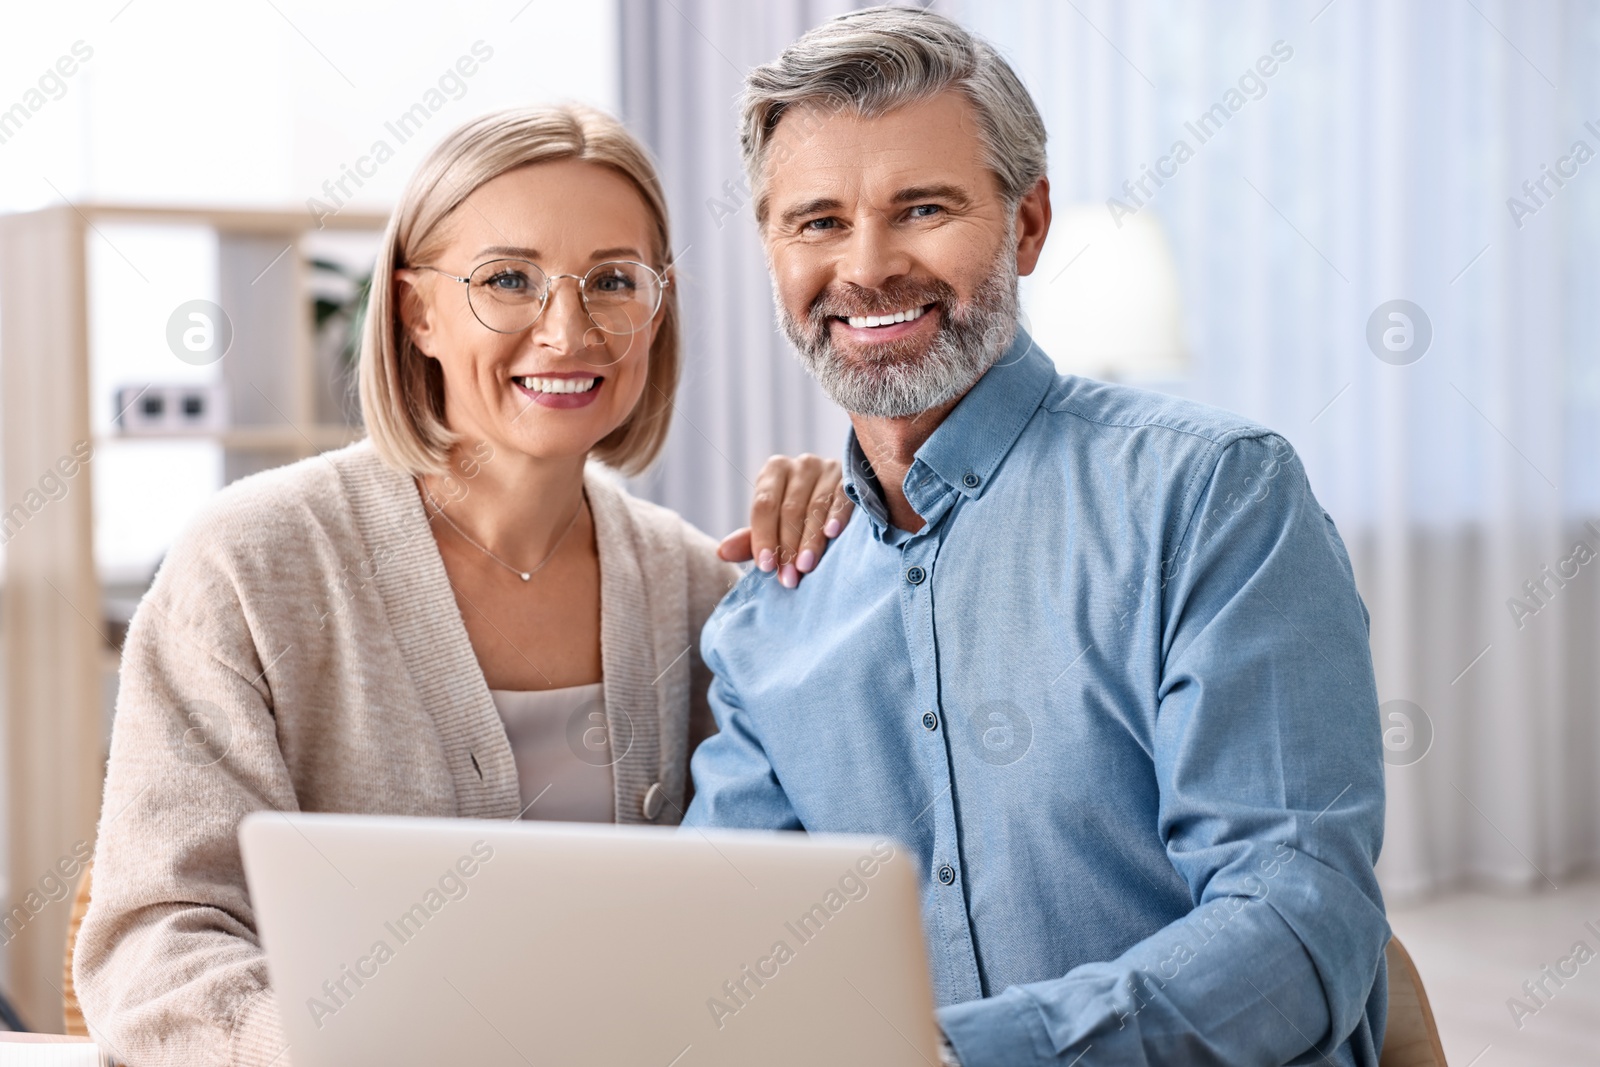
(1094, 654)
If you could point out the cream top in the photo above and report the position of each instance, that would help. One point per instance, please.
(562, 748)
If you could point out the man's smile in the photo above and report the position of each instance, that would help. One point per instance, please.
(889, 319)
(890, 326)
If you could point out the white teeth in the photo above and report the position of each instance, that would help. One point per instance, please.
(863, 321)
(557, 385)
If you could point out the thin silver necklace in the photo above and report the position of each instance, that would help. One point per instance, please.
(524, 575)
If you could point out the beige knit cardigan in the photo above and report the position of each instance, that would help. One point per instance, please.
(301, 650)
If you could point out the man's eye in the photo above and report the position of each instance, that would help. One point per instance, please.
(815, 225)
(923, 211)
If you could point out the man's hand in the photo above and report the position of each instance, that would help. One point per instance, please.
(799, 505)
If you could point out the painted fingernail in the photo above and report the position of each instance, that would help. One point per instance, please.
(789, 576)
(806, 561)
(764, 561)
(832, 528)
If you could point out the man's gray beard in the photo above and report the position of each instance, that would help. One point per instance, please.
(969, 341)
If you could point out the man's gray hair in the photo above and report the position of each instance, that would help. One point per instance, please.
(873, 61)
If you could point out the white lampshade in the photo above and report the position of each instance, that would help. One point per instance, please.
(1103, 301)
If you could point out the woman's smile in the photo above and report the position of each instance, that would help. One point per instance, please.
(564, 389)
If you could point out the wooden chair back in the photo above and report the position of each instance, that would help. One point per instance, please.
(75, 1026)
(1411, 1038)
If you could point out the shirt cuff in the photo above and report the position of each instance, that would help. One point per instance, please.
(1001, 1031)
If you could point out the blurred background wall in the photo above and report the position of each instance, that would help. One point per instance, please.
(1344, 163)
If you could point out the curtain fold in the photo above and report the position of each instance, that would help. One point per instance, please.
(744, 395)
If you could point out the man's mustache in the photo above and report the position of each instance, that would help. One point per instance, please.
(856, 300)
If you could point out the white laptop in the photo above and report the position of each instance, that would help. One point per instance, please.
(436, 941)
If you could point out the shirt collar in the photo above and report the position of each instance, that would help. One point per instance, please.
(965, 450)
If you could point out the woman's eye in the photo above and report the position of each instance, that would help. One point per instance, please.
(616, 282)
(511, 281)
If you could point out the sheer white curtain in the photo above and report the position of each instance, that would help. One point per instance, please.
(1374, 163)
(744, 395)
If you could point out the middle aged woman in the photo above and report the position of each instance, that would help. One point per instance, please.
(459, 616)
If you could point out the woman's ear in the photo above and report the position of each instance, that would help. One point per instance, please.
(416, 314)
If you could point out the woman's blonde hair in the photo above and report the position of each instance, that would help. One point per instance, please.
(402, 390)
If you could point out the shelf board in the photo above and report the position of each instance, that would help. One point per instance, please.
(319, 438)
(238, 220)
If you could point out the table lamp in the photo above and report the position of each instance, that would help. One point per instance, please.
(1103, 301)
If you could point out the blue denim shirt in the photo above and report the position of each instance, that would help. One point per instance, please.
(1117, 699)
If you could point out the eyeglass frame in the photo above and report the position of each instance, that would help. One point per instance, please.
(663, 279)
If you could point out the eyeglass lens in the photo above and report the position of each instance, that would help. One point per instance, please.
(620, 296)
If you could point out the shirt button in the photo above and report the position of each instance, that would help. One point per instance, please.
(930, 721)
(947, 874)
(914, 575)
(970, 480)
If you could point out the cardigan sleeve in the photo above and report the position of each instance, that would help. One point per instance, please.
(168, 965)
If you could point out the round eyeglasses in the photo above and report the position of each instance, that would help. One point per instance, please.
(508, 295)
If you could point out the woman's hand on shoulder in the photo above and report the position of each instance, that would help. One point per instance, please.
(799, 506)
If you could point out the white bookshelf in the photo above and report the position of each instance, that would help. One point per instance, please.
(59, 659)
